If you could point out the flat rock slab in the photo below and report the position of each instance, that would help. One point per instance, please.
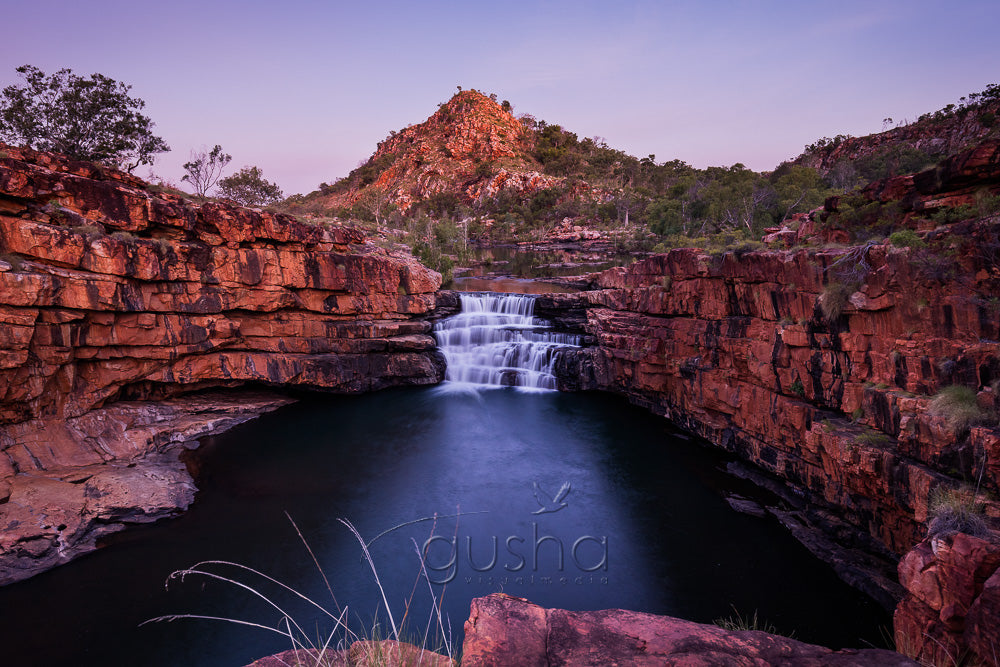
(504, 631)
(111, 467)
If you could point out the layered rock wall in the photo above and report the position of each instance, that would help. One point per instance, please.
(820, 367)
(111, 290)
(738, 349)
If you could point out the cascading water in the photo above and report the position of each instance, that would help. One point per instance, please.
(497, 341)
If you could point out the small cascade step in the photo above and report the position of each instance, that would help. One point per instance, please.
(497, 341)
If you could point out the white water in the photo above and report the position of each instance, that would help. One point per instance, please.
(497, 341)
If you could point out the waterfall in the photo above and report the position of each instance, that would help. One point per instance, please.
(497, 341)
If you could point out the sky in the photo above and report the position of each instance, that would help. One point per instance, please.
(306, 89)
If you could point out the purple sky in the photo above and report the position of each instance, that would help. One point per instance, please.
(306, 90)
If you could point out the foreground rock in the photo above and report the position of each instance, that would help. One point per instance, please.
(89, 476)
(504, 631)
(386, 653)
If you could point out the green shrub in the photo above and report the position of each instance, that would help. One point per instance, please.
(958, 405)
(907, 238)
(797, 388)
(987, 204)
(873, 439)
(950, 214)
(124, 236)
(953, 511)
(89, 230)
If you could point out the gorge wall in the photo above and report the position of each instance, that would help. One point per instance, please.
(819, 366)
(112, 290)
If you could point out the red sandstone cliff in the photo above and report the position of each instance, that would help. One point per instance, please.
(111, 290)
(746, 350)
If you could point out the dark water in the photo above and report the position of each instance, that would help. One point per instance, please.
(646, 511)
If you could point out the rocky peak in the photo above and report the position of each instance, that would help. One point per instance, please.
(469, 128)
(459, 150)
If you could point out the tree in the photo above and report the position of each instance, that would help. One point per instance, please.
(248, 187)
(84, 118)
(205, 168)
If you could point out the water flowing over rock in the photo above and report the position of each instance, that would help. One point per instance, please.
(497, 341)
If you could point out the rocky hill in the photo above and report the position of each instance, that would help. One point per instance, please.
(473, 161)
(471, 148)
(909, 147)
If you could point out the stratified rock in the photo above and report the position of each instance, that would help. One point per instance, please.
(112, 290)
(127, 292)
(89, 476)
(504, 631)
(737, 349)
(952, 608)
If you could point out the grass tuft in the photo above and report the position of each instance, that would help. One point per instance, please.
(739, 623)
(322, 651)
(958, 405)
(956, 511)
(834, 299)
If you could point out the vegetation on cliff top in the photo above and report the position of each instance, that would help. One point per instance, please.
(474, 172)
(84, 118)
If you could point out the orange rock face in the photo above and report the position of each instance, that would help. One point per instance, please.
(122, 292)
(471, 148)
(745, 350)
(110, 290)
(952, 608)
(739, 350)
